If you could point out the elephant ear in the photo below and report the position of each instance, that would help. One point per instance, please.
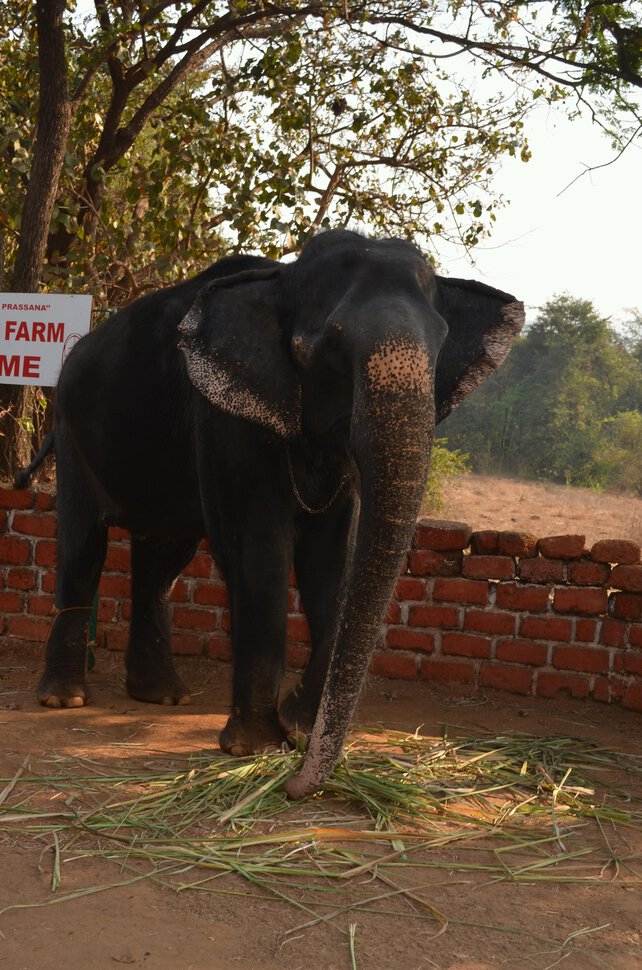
(235, 352)
(482, 324)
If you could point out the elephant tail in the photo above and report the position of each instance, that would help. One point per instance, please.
(23, 477)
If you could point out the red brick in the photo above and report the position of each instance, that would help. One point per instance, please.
(632, 698)
(465, 645)
(590, 659)
(4, 519)
(28, 628)
(48, 581)
(45, 552)
(610, 689)
(220, 648)
(427, 562)
(550, 683)
(45, 501)
(15, 498)
(200, 566)
(522, 652)
(394, 666)
(14, 551)
(580, 599)
(627, 606)
(562, 547)
(484, 543)
(635, 635)
(118, 558)
(208, 594)
(542, 570)
(188, 618)
(585, 630)
(28, 524)
(392, 617)
(296, 656)
(513, 679)
(441, 534)
(439, 670)
(11, 603)
(613, 633)
(126, 610)
(409, 588)
(521, 544)
(628, 662)
(40, 605)
(587, 573)
(116, 637)
(401, 638)
(226, 621)
(116, 534)
(118, 587)
(546, 628)
(616, 550)
(179, 592)
(485, 621)
(488, 567)
(515, 596)
(187, 644)
(21, 578)
(627, 578)
(107, 610)
(294, 601)
(298, 629)
(461, 591)
(434, 617)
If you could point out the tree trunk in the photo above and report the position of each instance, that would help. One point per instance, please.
(52, 130)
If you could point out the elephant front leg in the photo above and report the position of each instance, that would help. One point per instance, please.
(258, 586)
(321, 553)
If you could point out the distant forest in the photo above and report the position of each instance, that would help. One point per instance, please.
(566, 406)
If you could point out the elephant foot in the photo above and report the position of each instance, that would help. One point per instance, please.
(243, 736)
(168, 689)
(55, 693)
(297, 714)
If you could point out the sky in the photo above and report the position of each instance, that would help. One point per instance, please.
(585, 239)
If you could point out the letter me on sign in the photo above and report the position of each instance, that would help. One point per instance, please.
(37, 331)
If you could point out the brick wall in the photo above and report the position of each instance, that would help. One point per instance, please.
(485, 609)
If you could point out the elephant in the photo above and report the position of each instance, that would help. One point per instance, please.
(285, 411)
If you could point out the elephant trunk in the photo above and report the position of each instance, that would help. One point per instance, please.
(392, 428)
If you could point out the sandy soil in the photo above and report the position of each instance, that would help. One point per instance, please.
(543, 509)
(492, 923)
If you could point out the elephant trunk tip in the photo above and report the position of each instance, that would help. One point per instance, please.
(300, 786)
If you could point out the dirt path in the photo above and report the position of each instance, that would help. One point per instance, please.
(492, 923)
(543, 509)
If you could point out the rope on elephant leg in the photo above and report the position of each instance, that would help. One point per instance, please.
(57, 613)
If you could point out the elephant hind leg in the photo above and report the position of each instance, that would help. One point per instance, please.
(156, 562)
(81, 547)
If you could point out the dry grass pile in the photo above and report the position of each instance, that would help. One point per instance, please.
(508, 808)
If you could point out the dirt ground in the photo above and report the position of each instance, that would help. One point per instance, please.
(543, 509)
(492, 922)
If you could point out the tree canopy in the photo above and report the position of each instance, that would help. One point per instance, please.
(248, 124)
(177, 130)
(566, 405)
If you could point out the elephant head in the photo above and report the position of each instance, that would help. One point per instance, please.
(359, 347)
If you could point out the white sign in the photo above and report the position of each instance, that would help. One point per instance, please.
(37, 331)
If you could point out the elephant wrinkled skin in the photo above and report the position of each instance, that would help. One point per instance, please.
(286, 412)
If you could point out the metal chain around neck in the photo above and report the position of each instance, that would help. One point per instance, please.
(297, 494)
